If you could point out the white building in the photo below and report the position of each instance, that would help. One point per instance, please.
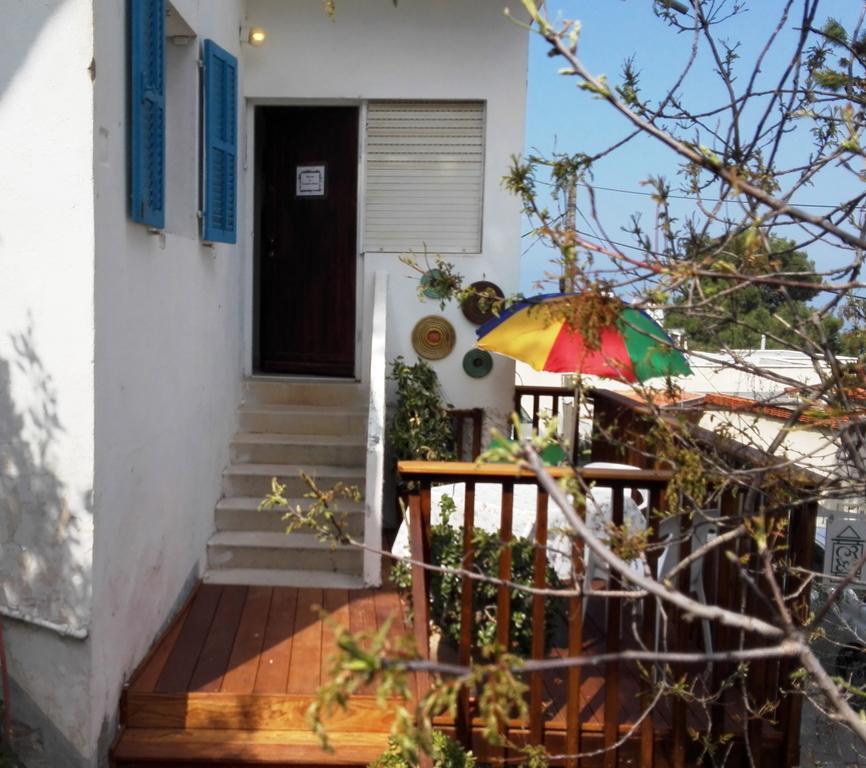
(141, 302)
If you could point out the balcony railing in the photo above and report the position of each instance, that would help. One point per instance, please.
(580, 720)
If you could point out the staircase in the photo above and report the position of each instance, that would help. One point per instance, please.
(283, 428)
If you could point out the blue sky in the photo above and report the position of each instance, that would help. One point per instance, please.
(559, 115)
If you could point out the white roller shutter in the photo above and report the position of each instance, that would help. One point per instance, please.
(424, 176)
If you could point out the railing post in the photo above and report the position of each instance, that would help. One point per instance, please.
(503, 597)
(801, 533)
(464, 708)
(539, 630)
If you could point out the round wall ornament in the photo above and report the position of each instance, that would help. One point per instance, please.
(477, 363)
(433, 284)
(476, 308)
(433, 337)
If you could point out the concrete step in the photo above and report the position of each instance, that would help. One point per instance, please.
(255, 479)
(330, 392)
(243, 514)
(275, 448)
(300, 552)
(282, 577)
(303, 419)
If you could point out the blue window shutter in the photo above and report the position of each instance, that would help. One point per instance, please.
(219, 222)
(147, 112)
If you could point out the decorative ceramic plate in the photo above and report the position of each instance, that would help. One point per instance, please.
(477, 363)
(429, 282)
(472, 307)
(433, 337)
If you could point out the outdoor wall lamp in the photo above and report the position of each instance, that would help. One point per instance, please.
(253, 35)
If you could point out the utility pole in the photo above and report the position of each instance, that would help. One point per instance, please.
(566, 282)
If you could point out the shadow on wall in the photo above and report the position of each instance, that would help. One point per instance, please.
(27, 23)
(40, 530)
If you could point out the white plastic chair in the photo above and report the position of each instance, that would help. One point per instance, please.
(703, 530)
(599, 512)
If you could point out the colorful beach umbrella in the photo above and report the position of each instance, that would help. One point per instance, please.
(634, 348)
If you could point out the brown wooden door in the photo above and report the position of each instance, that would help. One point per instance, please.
(307, 243)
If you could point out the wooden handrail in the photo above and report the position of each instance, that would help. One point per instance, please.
(456, 471)
(556, 395)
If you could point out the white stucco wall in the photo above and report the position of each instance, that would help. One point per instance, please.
(805, 445)
(168, 361)
(449, 49)
(46, 350)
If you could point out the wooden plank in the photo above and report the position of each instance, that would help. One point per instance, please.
(184, 655)
(613, 645)
(539, 581)
(362, 619)
(387, 608)
(240, 676)
(305, 666)
(253, 711)
(362, 611)
(335, 603)
(412, 682)
(215, 654)
(248, 747)
(273, 672)
(448, 470)
(150, 669)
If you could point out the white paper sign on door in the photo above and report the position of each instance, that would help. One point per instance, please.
(310, 181)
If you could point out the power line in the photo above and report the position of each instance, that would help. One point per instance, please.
(641, 193)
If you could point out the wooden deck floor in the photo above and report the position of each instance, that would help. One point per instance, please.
(230, 681)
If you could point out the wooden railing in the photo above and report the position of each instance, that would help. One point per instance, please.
(537, 401)
(423, 475)
(767, 681)
(467, 423)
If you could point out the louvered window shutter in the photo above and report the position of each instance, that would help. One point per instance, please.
(147, 112)
(424, 177)
(219, 223)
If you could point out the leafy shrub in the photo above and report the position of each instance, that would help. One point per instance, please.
(447, 753)
(421, 427)
(445, 589)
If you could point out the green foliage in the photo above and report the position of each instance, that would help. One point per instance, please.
(420, 427)
(725, 313)
(447, 753)
(322, 516)
(445, 589)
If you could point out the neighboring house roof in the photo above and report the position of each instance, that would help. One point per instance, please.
(815, 416)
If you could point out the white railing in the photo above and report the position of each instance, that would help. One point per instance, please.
(374, 492)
